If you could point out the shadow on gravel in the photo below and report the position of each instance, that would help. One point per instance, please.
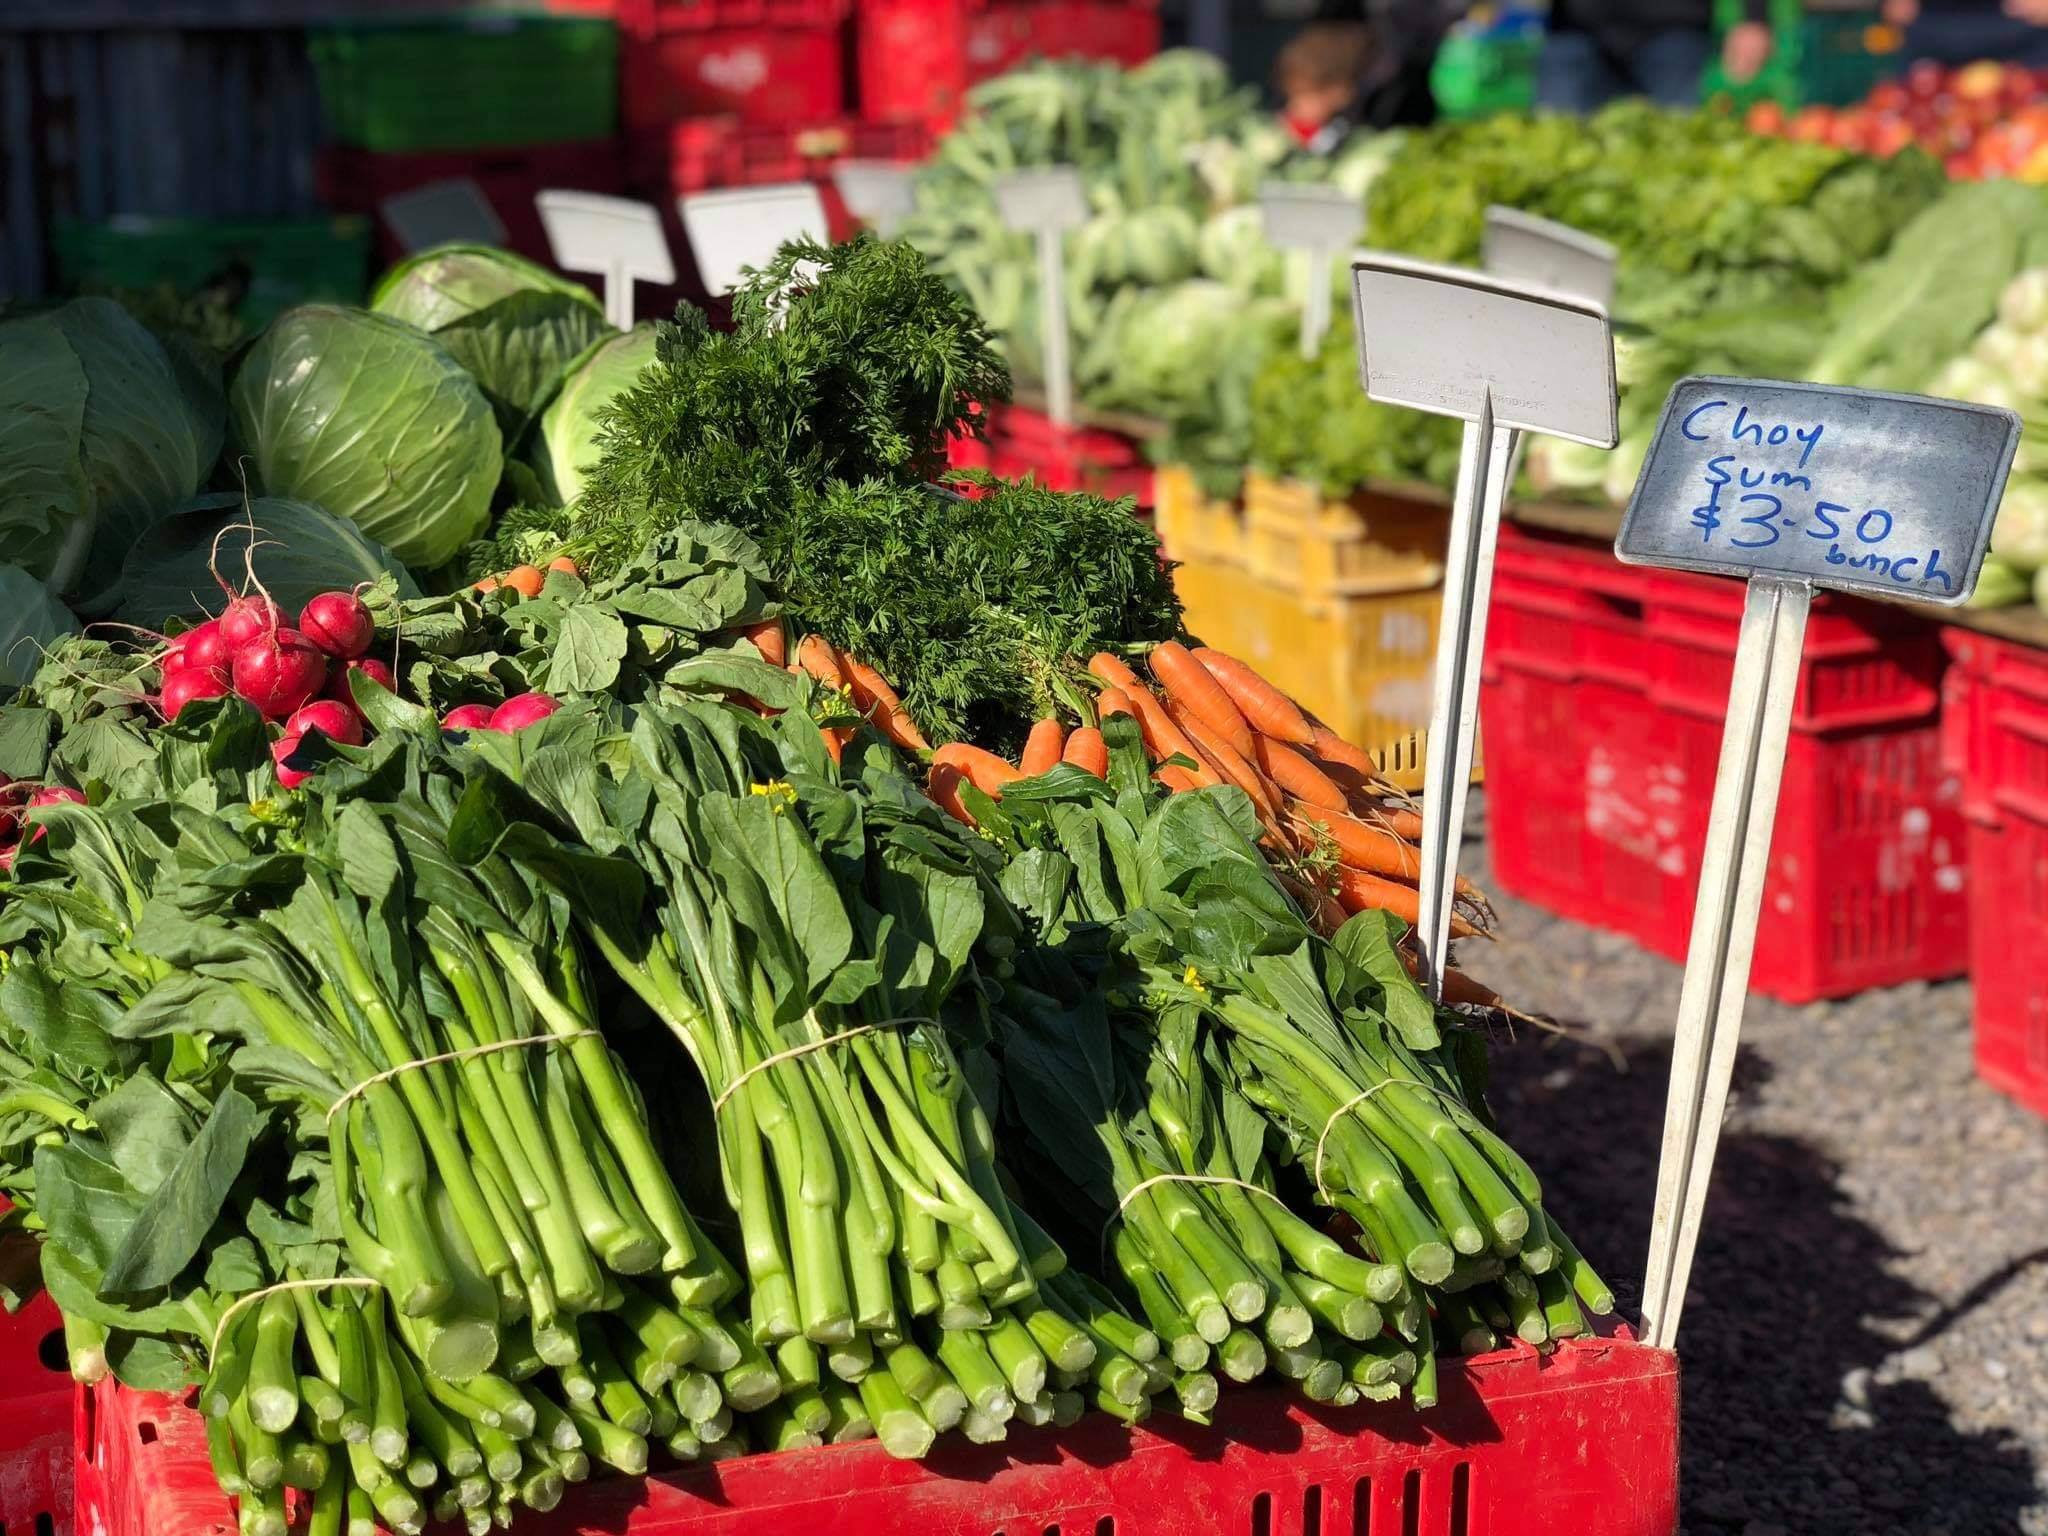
(1782, 1425)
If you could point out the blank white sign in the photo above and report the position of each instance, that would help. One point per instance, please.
(443, 213)
(1051, 198)
(744, 227)
(1442, 339)
(590, 232)
(1527, 249)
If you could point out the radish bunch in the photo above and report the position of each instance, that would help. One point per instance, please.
(299, 676)
(17, 799)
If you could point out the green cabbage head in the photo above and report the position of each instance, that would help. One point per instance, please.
(373, 420)
(566, 445)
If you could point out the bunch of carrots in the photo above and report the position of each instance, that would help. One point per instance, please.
(1341, 837)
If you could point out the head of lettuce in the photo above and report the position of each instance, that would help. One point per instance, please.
(371, 419)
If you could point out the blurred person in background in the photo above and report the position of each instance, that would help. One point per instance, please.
(1384, 47)
(1598, 50)
(1958, 32)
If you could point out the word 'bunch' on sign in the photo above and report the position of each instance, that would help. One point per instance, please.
(1761, 489)
(1847, 488)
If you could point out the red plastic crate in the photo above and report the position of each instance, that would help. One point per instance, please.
(1584, 1441)
(1606, 691)
(910, 60)
(646, 18)
(1004, 36)
(1022, 441)
(36, 1493)
(771, 75)
(358, 181)
(1997, 695)
(2008, 936)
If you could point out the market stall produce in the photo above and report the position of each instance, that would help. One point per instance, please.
(1983, 120)
(347, 944)
(1173, 293)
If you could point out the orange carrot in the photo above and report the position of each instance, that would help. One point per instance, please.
(1188, 683)
(1400, 821)
(1043, 747)
(944, 789)
(1112, 671)
(1264, 706)
(1298, 776)
(1114, 701)
(1176, 778)
(525, 580)
(564, 564)
(1232, 766)
(878, 701)
(1460, 990)
(1086, 749)
(1359, 892)
(1372, 849)
(770, 641)
(1163, 737)
(818, 658)
(1334, 748)
(985, 771)
(488, 584)
(1323, 909)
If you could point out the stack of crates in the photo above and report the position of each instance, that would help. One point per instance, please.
(740, 93)
(515, 103)
(916, 59)
(1336, 602)
(1604, 701)
(1996, 734)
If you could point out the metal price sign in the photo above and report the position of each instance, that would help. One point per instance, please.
(1548, 254)
(1504, 358)
(877, 192)
(733, 230)
(441, 213)
(1794, 486)
(1890, 495)
(1046, 204)
(1319, 221)
(615, 236)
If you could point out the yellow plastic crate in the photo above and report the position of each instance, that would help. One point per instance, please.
(1370, 542)
(1341, 630)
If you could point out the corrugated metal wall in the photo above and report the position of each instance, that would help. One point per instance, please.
(199, 124)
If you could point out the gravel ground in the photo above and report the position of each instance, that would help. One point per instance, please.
(1865, 1340)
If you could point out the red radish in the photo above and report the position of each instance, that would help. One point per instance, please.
(184, 684)
(338, 623)
(369, 666)
(467, 717)
(522, 710)
(278, 672)
(52, 794)
(282, 748)
(331, 718)
(248, 618)
(203, 648)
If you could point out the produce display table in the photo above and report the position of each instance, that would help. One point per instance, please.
(1583, 1441)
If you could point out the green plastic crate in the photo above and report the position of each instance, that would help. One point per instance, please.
(1477, 74)
(283, 262)
(1819, 58)
(479, 82)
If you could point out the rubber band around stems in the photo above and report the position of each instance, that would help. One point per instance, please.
(1352, 1103)
(805, 1049)
(350, 1282)
(446, 1056)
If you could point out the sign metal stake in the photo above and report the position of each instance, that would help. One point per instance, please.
(614, 236)
(1794, 486)
(1046, 204)
(1320, 222)
(1506, 358)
